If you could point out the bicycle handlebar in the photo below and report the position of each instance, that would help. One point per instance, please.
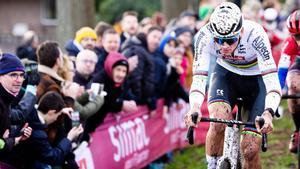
(190, 132)
(295, 96)
(264, 141)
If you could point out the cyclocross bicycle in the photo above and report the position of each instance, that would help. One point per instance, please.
(295, 96)
(231, 158)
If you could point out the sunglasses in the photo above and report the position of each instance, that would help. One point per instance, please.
(229, 41)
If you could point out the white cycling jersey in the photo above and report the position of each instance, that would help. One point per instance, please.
(251, 57)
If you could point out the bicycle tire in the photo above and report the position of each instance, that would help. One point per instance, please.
(298, 150)
(239, 161)
(225, 164)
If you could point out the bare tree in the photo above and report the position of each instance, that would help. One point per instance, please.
(73, 14)
(172, 8)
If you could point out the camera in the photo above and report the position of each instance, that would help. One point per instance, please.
(32, 74)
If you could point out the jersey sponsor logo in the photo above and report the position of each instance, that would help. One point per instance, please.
(233, 58)
(220, 92)
(198, 44)
(260, 46)
(241, 49)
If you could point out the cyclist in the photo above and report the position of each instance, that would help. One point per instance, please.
(289, 68)
(245, 68)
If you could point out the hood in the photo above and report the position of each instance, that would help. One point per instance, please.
(166, 40)
(73, 47)
(111, 60)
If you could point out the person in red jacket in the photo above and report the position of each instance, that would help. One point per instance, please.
(289, 71)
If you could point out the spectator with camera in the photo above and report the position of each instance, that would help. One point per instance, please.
(118, 97)
(86, 102)
(42, 153)
(11, 79)
(50, 59)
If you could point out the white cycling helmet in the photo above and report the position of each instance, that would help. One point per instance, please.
(226, 20)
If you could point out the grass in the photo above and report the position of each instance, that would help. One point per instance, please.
(277, 156)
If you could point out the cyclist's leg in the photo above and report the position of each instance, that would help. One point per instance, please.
(215, 134)
(250, 147)
(218, 107)
(254, 101)
(293, 83)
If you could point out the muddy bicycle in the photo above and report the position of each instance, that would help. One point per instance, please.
(231, 158)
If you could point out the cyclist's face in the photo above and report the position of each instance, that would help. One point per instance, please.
(227, 48)
(297, 38)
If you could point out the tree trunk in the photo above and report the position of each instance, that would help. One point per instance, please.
(172, 8)
(71, 16)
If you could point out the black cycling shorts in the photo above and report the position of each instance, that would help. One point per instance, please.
(226, 86)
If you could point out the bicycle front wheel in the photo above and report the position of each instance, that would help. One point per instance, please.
(225, 164)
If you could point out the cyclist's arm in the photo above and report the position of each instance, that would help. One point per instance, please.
(200, 68)
(288, 53)
(268, 69)
(283, 66)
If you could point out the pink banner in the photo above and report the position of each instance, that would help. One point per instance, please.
(134, 140)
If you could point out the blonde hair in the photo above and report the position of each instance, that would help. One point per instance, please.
(65, 71)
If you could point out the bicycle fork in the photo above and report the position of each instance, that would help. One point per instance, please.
(231, 147)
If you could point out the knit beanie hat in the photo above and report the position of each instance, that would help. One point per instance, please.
(121, 62)
(85, 32)
(182, 30)
(10, 63)
(166, 39)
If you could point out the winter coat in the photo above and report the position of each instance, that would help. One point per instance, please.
(6, 143)
(39, 147)
(141, 79)
(87, 108)
(102, 55)
(73, 48)
(26, 51)
(82, 81)
(113, 101)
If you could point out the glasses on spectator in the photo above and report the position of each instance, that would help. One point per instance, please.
(16, 76)
(229, 41)
(88, 61)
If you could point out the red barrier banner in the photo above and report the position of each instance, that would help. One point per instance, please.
(133, 140)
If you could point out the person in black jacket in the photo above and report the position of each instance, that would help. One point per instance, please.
(42, 153)
(11, 79)
(141, 79)
(118, 95)
(27, 50)
(85, 66)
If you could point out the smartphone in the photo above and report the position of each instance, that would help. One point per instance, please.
(75, 118)
(101, 88)
(95, 88)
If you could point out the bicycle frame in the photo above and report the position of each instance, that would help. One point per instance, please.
(231, 148)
